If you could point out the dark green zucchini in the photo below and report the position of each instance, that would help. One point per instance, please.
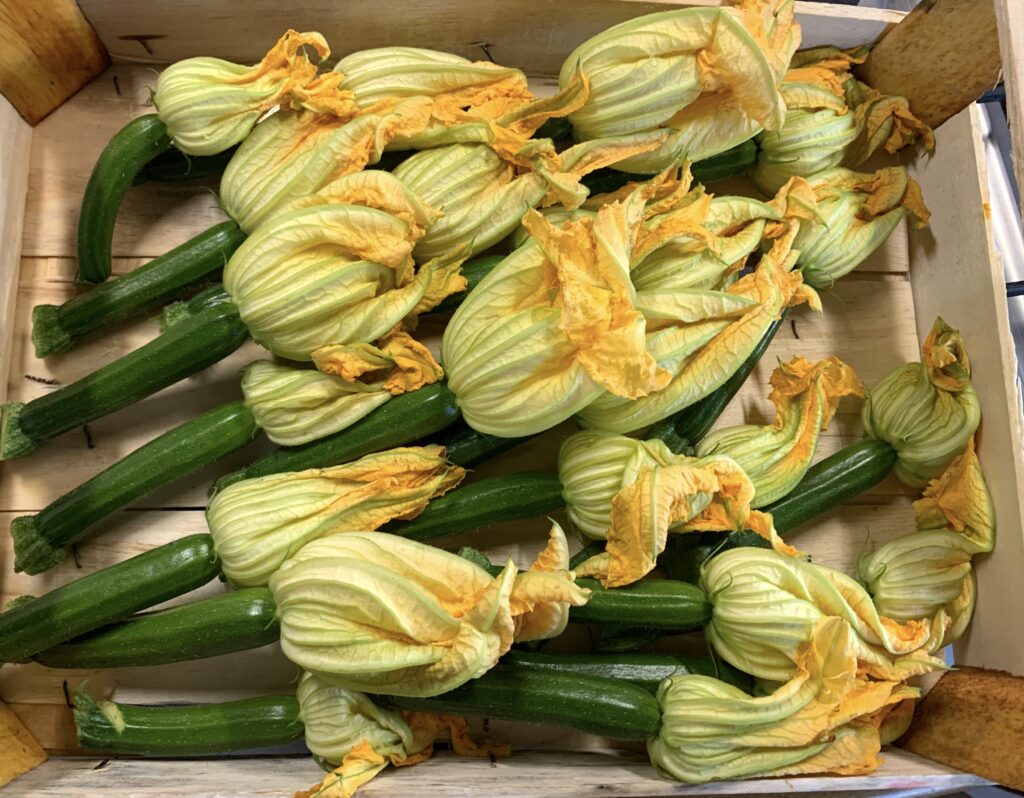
(197, 730)
(56, 328)
(135, 145)
(489, 501)
(173, 165)
(467, 447)
(176, 312)
(591, 704)
(180, 352)
(474, 271)
(42, 541)
(643, 670)
(836, 479)
(400, 421)
(107, 595)
(685, 429)
(648, 604)
(235, 621)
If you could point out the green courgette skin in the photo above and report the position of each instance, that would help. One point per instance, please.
(132, 147)
(58, 328)
(591, 704)
(489, 501)
(474, 271)
(41, 541)
(648, 604)
(235, 621)
(172, 166)
(400, 421)
(180, 352)
(187, 730)
(177, 312)
(643, 670)
(836, 479)
(467, 448)
(685, 429)
(732, 162)
(106, 596)
(849, 472)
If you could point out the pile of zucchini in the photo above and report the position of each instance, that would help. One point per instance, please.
(636, 287)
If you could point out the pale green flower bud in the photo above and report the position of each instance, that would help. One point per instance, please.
(927, 411)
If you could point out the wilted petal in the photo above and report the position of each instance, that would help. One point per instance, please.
(398, 364)
(541, 596)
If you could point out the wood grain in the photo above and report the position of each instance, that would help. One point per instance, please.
(49, 52)
(941, 57)
(531, 34)
(957, 274)
(1010, 18)
(526, 774)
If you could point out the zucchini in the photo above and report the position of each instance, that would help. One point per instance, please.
(399, 421)
(827, 484)
(181, 351)
(234, 621)
(107, 595)
(474, 271)
(643, 670)
(664, 604)
(41, 541)
(173, 165)
(177, 312)
(685, 429)
(56, 328)
(467, 447)
(732, 162)
(186, 730)
(131, 148)
(591, 704)
(479, 504)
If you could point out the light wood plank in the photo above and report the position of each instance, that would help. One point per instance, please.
(957, 274)
(1010, 18)
(50, 51)
(941, 57)
(523, 775)
(531, 34)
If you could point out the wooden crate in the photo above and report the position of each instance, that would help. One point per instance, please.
(873, 319)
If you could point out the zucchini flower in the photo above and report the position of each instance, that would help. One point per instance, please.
(927, 573)
(348, 729)
(334, 275)
(855, 215)
(765, 605)
(210, 105)
(825, 719)
(553, 326)
(634, 493)
(296, 405)
(373, 612)
(927, 411)
(831, 120)
(259, 523)
(710, 76)
(700, 351)
(776, 456)
(483, 195)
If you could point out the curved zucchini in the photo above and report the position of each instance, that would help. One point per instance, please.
(490, 501)
(57, 328)
(42, 541)
(685, 429)
(643, 670)
(186, 730)
(234, 621)
(173, 165)
(131, 148)
(105, 596)
(401, 420)
(591, 704)
(183, 350)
